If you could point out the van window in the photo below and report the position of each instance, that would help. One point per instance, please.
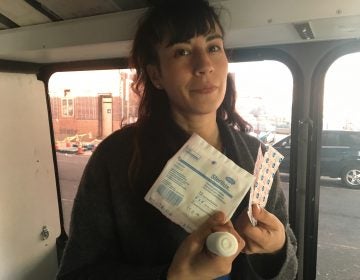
(86, 107)
(339, 230)
(258, 84)
(102, 102)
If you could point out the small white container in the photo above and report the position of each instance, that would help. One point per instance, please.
(223, 244)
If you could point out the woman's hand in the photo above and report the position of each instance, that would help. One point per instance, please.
(268, 236)
(193, 261)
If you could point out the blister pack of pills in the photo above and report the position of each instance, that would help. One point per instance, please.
(264, 171)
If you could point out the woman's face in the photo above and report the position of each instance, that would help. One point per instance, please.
(193, 74)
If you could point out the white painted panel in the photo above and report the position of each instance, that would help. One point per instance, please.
(28, 199)
(247, 23)
(253, 13)
(83, 31)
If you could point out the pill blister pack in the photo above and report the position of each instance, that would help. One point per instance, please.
(265, 168)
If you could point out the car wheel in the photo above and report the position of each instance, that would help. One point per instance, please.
(351, 176)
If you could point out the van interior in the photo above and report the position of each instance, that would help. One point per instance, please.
(38, 37)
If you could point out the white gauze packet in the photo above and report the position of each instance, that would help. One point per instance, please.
(196, 182)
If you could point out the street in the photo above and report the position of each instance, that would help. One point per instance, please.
(339, 219)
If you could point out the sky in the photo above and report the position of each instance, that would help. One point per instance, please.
(260, 83)
(342, 93)
(85, 83)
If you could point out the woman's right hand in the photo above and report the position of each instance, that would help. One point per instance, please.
(193, 261)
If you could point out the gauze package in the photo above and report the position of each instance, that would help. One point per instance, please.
(196, 182)
(264, 171)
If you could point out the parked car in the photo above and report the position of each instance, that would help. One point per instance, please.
(339, 157)
(267, 137)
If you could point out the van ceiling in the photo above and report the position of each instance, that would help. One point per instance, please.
(16, 13)
(48, 31)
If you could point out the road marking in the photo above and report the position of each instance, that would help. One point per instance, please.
(338, 245)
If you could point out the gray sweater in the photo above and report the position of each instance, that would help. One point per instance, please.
(116, 234)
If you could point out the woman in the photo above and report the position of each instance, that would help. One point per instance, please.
(181, 66)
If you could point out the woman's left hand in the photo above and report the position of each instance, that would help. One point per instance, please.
(268, 236)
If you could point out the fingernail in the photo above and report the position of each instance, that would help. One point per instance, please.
(258, 208)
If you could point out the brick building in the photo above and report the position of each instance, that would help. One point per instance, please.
(92, 104)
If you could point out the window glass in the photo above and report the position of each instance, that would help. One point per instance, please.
(88, 105)
(67, 107)
(258, 85)
(339, 227)
(264, 99)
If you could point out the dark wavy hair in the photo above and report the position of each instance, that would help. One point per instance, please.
(173, 21)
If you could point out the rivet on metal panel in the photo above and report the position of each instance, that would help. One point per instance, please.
(306, 121)
(44, 233)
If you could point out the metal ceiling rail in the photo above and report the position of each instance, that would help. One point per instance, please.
(7, 22)
(44, 10)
